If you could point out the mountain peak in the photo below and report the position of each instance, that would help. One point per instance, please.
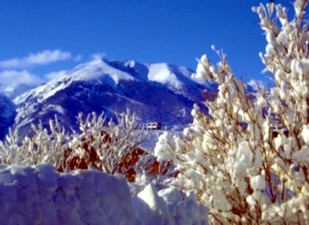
(100, 69)
(154, 92)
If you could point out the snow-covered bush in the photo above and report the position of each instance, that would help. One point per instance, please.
(248, 160)
(42, 147)
(100, 145)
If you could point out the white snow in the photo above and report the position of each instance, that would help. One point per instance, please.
(244, 156)
(163, 149)
(305, 133)
(169, 206)
(57, 108)
(162, 73)
(183, 208)
(152, 208)
(98, 70)
(94, 71)
(201, 73)
(258, 182)
(39, 195)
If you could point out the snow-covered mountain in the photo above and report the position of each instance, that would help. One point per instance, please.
(155, 92)
(17, 90)
(7, 114)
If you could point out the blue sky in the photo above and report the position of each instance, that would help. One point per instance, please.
(42, 38)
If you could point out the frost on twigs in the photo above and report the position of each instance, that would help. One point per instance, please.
(107, 146)
(100, 145)
(248, 160)
(43, 147)
(103, 144)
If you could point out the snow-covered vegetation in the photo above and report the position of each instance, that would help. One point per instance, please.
(60, 177)
(101, 144)
(248, 160)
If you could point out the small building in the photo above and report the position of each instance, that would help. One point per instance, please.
(153, 126)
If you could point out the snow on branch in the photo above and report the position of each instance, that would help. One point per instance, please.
(248, 159)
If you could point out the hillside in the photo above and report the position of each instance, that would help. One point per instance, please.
(7, 114)
(156, 92)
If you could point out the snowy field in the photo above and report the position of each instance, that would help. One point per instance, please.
(40, 195)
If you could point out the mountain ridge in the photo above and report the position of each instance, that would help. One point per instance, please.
(154, 92)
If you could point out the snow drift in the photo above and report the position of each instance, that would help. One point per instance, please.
(39, 195)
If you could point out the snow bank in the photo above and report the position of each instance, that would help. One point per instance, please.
(169, 207)
(39, 195)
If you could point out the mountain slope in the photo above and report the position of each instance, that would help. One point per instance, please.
(7, 114)
(156, 92)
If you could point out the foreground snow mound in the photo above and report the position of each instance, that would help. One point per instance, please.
(169, 207)
(39, 195)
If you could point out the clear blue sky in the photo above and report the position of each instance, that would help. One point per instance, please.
(148, 31)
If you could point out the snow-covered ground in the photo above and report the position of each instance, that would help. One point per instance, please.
(40, 195)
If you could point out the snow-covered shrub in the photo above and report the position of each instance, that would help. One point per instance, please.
(42, 147)
(248, 160)
(101, 145)
(112, 148)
